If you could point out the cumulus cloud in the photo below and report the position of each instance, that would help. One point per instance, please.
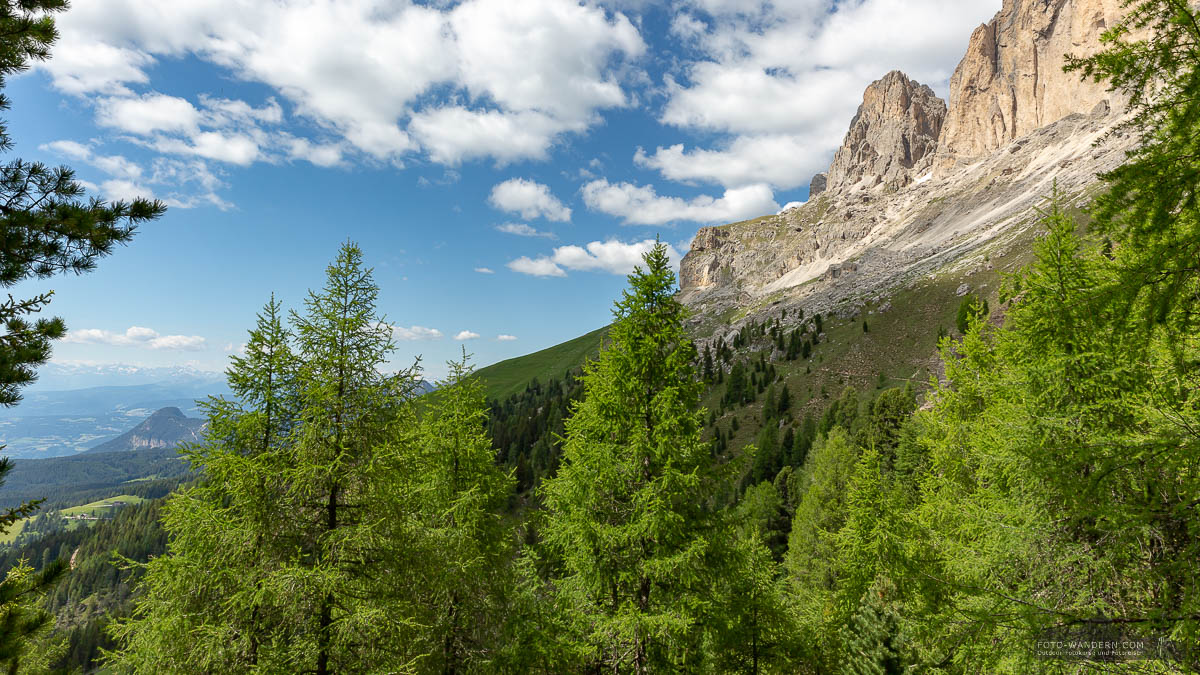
(779, 82)
(612, 256)
(148, 114)
(523, 230)
(191, 343)
(517, 75)
(455, 134)
(641, 205)
(528, 198)
(224, 130)
(184, 183)
(466, 335)
(781, 160)
(542, 267)
(485, 270)
(414, 333)
(137, 336)
(504, 337)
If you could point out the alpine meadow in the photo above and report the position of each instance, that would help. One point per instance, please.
(940, 413)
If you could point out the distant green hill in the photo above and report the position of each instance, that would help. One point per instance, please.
(510, 377)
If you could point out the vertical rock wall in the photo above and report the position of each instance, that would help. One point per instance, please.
(895, 129)
(1011, 80)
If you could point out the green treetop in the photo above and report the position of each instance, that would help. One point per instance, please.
(629, 515)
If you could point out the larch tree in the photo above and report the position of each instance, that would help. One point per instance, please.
(277, 557)
(448, 533)
(630, 517)
(203, 606)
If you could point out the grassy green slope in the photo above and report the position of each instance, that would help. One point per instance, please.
(900, 347)
(510, 377)
(103, 507)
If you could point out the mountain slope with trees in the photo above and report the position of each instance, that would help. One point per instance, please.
(1042, 488)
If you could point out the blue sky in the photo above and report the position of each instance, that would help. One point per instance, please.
(501, 163)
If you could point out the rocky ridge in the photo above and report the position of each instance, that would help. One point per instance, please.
(900, 206)
(1011, 81)
(166, 428)
(895, 130)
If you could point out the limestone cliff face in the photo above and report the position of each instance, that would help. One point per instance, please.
(963, 180)
(703, 270)
(819, 184)
(1011, 80)
(896, 128)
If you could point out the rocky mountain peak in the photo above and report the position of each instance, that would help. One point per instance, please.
(165, 428)
(961, 178)
(896, 129)
(1011, 81)
(170, 412)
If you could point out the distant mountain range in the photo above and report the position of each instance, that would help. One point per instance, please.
(56, 422)
(59, 422)
(69, 376)
(166, 428)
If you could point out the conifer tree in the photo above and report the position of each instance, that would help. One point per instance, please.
(1150, 214)
(784, 404)
(204, 606)
(449, 535)
(275, 556)
(46, 228)
(629, 514)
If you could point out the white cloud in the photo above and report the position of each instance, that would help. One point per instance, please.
(233, 148)
(515, 75)
(454, 134)
(779, 82)
(318, 154)
(529, 199)
(220, 112)
(148, 114)
(641, 205)
(781, 160)
(128, 180)
(567, 43)
(523, 230)
(415, 333)
(91, 66)
(113, 165)
(612, 256)
(137, 336)
(191, 343)
(789, 206)
(504, 337)
(485, 270)
(124, 190)
(466, 335)
(542, 267)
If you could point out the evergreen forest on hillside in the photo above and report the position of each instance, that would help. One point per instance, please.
(662, 508)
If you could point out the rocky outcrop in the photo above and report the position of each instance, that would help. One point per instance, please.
(166, 428)
(896, 128)
(1011, 80)
(818, 185)
(703, 270)
(1016, 128)
(841, 247)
